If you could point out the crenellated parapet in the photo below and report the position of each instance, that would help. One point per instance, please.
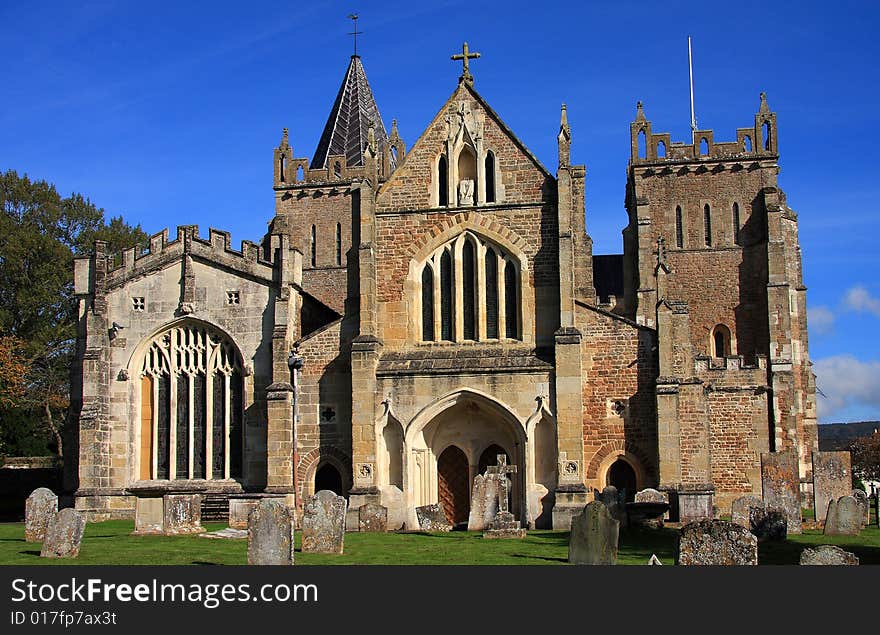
(757, 142)
(252, 259)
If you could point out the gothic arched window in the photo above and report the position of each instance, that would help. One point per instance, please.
(490, 177)
(466, 270)
(191, 406)
(721, 341)
(736, 223)
(707, 225)
(314, 246)
(679, 228)
(338, 243)
(442, 181)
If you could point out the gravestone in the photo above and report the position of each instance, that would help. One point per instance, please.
(491, 495)
(780, 485)
(392, 498)
(649, 495)
(39, 508)
(239, 511)
(372, 517)
(64, 535)
(877, 507)
(832, 479)
(323, 526)
(611, 498)
(270, 534)
(828, 555)
(716, 542)
(739, 509)
(484, 501)
(767, 523)
(432, 518)
(593, 538)
(864, 504)
(182, 514)
(504, 525)
(149, 515)
(843, 517)
(654, 561)
(695, 502)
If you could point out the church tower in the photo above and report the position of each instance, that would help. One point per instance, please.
(712, 261)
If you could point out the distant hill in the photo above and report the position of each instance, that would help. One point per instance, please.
(838, 436)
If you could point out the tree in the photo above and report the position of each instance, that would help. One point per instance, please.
(865, 452)
(40, 232)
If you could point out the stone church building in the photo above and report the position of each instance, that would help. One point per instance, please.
(412, 313)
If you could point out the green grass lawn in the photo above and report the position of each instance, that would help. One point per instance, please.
(110, 543)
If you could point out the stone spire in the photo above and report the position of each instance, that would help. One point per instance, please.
(347, 126)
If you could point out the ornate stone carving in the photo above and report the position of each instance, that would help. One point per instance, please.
(466, 192)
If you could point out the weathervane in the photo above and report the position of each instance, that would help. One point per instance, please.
(354, 18)
(465, 56)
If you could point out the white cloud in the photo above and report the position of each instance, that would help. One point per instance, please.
(820, 320)
(845, 382)
(860, 299)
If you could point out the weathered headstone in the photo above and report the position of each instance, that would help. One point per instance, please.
(372, 517)
(610, 497)
(739, 509)
(843, 518)
(696, 502)
(650, 495)
(239, 510)
(828, 555)
(716, 542)
(832, 479)
(864, 504)
(484, 501)
(593, 538)
(877, 507)
(182, 514)
(432, 518)
(780, 485)
(39, 508)
(149, 515)
(767, 523)
(64, 535)
(323, 528)
(392, 498)
(654, 561)
(270, 534)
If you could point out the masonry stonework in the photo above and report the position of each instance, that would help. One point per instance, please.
(412, 313)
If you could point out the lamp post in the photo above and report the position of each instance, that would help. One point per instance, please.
(295, 363)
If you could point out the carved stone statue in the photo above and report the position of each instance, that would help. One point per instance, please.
(466, 192)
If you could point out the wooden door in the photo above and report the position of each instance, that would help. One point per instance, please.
(454, 484)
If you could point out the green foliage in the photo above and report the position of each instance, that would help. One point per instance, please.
(40, 232)
(865, 453)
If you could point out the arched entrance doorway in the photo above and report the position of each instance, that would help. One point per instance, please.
(453, 440)
(622, 476)
(328, 477)
(453, 485)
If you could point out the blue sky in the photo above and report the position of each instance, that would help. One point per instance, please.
(167, 113)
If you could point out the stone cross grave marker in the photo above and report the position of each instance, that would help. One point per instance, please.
(39, 508)
(501, 470)
(64, 535)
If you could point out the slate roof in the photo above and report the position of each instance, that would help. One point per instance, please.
(346, 130)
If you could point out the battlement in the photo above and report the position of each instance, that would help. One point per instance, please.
(756, 142)
(254, 260)
(291, 172)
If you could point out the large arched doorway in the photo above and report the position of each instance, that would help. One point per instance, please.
(622, 476)
(328, 477)
(479, 428)
(454, 484)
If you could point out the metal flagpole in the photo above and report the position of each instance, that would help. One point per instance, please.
(691, 73)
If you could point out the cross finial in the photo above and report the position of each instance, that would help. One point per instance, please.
(465, 57)
(354, 18)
